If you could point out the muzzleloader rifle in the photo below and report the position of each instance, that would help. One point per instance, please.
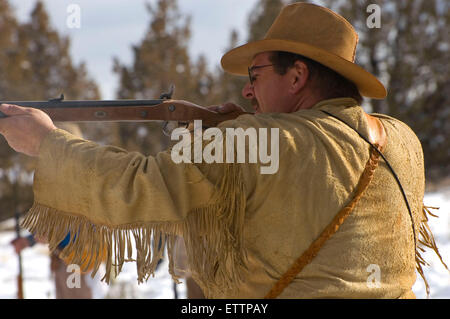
(162, 109)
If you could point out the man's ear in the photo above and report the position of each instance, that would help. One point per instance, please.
(299, 76)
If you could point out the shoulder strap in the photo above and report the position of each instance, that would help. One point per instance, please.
(372, 129)
(377, 141)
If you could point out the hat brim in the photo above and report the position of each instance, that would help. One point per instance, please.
(237, 61)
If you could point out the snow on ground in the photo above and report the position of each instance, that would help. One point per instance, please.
(38, 283)
(437, 276)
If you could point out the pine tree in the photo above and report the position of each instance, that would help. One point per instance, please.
(15, 191)
(36, 65)
(229, 85)
(160, 60)
(260, 19)
(51, 70)
(12, 60)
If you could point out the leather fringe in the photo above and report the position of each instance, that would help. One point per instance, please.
(426, 239)
(217, 256)
(88, 240)
(213, 237)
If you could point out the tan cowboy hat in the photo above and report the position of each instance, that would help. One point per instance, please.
(314, 32)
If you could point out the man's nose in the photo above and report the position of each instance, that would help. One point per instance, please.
(247, 91)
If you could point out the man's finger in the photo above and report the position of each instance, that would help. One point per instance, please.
(11, 109)
(214, 108)
(229, 107)
(5, 124)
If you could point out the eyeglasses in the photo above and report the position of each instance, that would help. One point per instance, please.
(251, 69)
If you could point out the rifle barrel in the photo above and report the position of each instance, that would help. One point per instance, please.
(80, 104)
(83, 104)
(126, 110)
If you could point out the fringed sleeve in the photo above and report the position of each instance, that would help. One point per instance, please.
(114, 201)
(426, 240)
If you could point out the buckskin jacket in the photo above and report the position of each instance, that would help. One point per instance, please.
(243, 229)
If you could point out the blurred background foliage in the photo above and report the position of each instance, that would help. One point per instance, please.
(409, 53)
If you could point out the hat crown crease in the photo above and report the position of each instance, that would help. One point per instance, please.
(299, 24)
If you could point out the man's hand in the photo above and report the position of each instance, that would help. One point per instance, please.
(25, 128)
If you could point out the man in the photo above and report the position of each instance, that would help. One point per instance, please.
(331, 222)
